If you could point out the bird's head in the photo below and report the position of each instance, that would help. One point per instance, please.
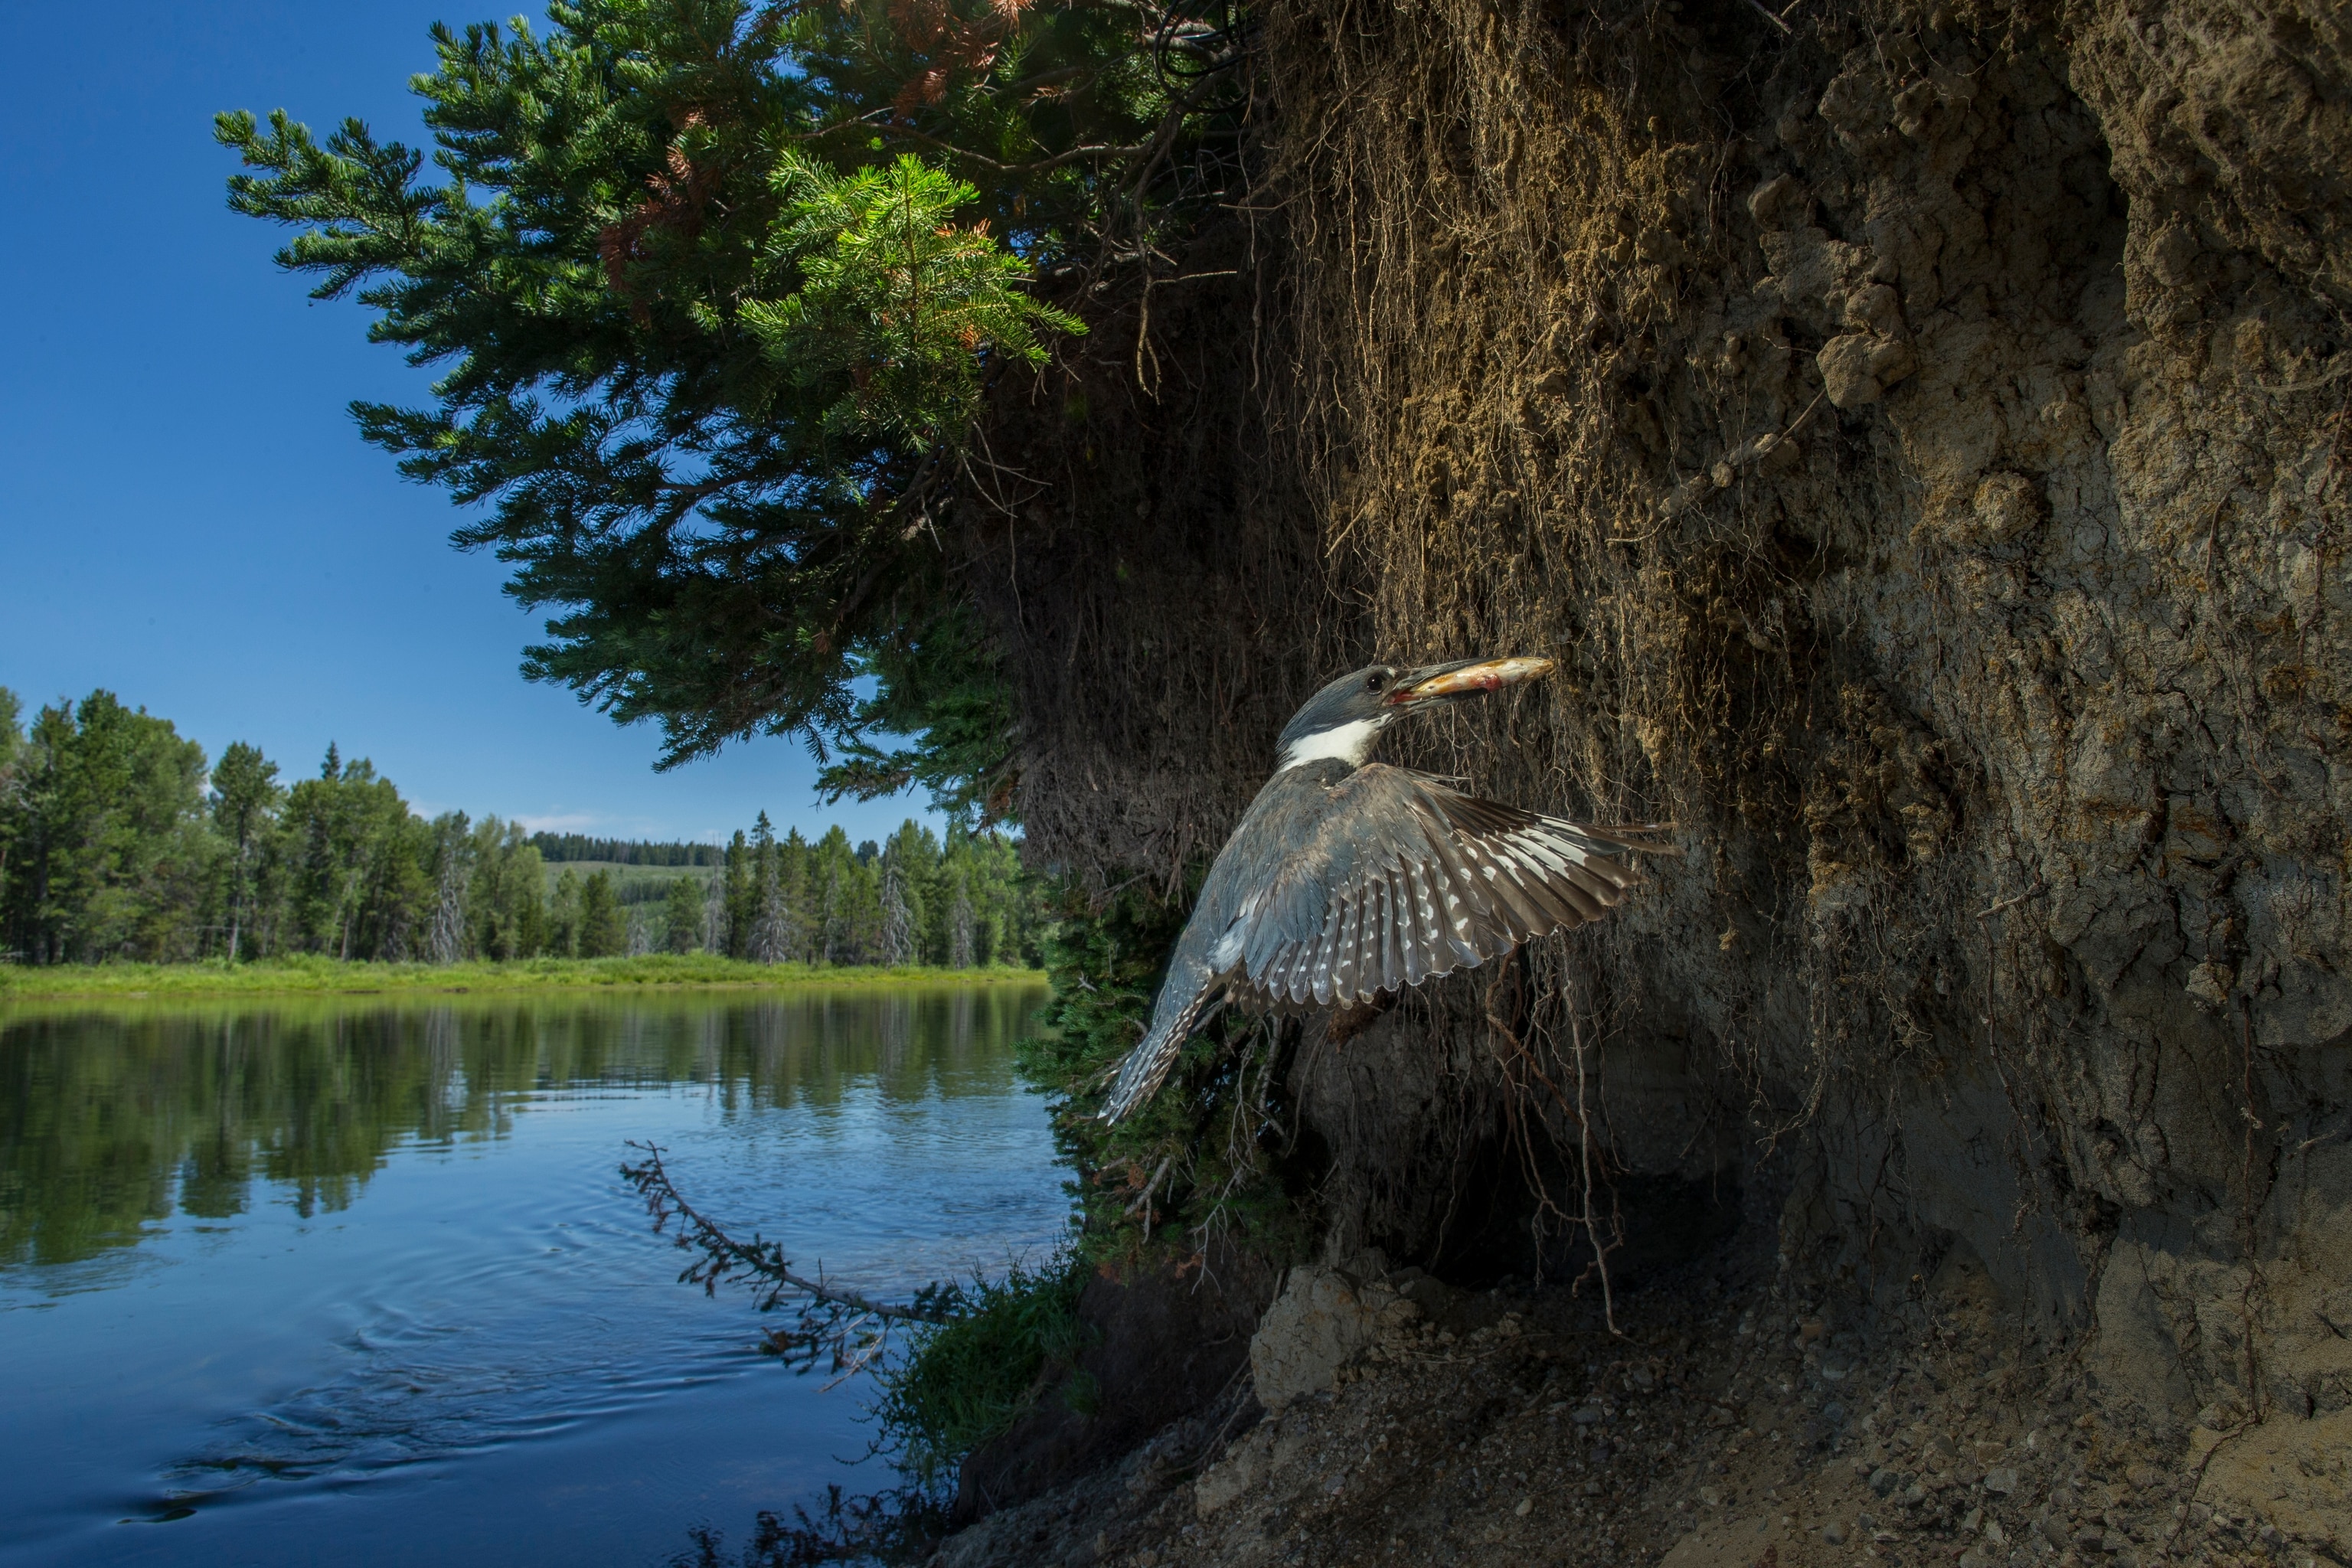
(1343, 719)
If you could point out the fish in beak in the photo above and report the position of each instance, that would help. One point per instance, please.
(1466, 678)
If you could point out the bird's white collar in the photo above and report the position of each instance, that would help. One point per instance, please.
(1350, 743)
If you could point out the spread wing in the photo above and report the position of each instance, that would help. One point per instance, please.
(1403, 879)
(1383, 878)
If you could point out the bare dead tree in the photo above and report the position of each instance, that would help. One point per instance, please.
(772, 928)
(447, 941)
(714, 913)
(897, 921)
(961, 923)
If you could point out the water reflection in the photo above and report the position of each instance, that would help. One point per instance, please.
(356, 1281)
(109, 1118)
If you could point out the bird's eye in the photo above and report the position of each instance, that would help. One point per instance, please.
(1375, 680)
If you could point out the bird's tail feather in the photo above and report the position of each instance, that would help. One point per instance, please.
(1147, 1066)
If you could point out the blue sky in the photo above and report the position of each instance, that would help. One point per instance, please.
(187, 517)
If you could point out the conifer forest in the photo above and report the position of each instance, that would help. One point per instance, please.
(120, 841)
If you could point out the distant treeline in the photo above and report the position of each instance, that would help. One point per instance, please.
(556, 848)
(119, 841)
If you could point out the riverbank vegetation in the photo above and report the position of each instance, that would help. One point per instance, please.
(966, 1380)
(318, 976)
(121, 842)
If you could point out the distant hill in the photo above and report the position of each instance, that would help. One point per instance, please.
(555, 848)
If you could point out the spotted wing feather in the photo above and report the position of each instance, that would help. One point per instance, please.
(1340, 885)
(1404, 880)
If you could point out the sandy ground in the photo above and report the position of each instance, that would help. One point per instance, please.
(1730, 1424)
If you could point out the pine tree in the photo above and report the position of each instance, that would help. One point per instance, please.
(771, 916)
(793, 876)
(715, 283)
(604, 933)
(714, 913)
(245, 798)
(359, 884)
(112, 850)
(681, 914)
(506, 895)
(742, 897)
(12, 734)
(763, 848)
(12, 757)
(564, 916)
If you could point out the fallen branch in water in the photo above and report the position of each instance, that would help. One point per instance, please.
(852, 1328)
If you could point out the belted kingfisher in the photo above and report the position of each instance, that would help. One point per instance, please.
(1348, 879)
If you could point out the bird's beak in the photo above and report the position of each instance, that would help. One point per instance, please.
(1469, 678)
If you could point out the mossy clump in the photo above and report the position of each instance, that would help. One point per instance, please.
(1209, 1158)
(964, 1382)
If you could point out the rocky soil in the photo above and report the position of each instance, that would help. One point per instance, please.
(1733, 1423)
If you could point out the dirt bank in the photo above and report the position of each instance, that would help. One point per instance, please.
(1921, 432)
(1731, 1424)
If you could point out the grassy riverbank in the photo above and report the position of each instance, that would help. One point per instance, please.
(324, 976)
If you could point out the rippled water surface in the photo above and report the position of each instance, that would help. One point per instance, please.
(359, 1283)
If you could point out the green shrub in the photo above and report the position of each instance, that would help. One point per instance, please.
(964, 1382)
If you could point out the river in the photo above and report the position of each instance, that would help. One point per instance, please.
(357, 1283)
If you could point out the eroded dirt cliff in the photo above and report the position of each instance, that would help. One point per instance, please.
(1920, 430)
(1925, 431)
